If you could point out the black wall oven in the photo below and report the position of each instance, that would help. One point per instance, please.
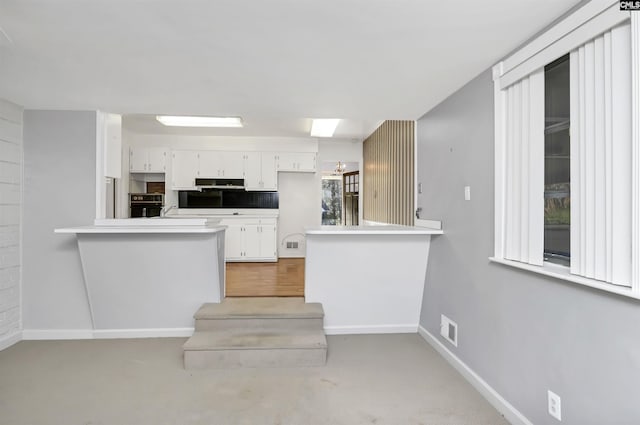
(145, 204)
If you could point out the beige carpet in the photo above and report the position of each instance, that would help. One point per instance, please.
(369, 379)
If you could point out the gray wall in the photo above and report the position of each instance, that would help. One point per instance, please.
(59, 191)
(521, 332)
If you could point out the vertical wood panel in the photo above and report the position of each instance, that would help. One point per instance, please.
(388, 156)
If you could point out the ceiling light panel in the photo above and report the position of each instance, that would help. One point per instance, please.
(186, 121)
(324, 127)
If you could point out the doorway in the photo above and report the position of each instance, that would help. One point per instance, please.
(340, 188)
(350, 196)
(284, 278)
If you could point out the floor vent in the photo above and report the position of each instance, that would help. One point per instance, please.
(449, 330)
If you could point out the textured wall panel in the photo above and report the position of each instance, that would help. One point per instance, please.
(10, 202)
(388, 178)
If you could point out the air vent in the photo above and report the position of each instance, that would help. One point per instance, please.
(449, 330)
(292, 245)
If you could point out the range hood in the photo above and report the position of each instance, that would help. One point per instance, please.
(217, 183)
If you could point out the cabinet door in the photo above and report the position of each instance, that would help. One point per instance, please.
(138, 158)
(112, 145)
(253, 171)
(209, 163)
(269, 172)
(251, 241)
(268, 241)
(306, 161)
(287, 161)
(232, 166)
(233, 242)
(184, 169)
(157, 160)
(297, 161)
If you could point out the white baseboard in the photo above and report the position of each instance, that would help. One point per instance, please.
(9, 340)
(142, 333)
(61, 334)
(380, 329)
(510, 413)
(54, 334)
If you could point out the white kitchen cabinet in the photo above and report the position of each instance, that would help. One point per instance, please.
(233, 241)
(252, 243)
(209, 163)
(184, 169)
(214, 164)
(268, 240)
(232, 165)
(147, 160)
(260, 171)
(297, 162)
(250, 239)
(112, 132)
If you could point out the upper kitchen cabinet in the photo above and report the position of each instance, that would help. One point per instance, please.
(221, 164)
(184, 169)
(148, 160)
(232, 165)
(297, 162)
(110, 137)
(260, 171)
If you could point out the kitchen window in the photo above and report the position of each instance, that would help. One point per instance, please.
(567, 151)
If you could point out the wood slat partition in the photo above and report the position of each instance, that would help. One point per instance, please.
(388, 177)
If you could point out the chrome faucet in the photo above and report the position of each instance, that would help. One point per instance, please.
(165, 210)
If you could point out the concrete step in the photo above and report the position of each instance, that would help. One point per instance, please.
(238, 348)
(266, 314)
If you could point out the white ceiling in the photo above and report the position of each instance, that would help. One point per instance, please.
(275, 63)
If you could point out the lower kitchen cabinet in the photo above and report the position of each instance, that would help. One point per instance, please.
(251, 239)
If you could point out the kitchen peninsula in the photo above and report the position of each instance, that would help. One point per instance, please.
(369, 279)
(146, 277)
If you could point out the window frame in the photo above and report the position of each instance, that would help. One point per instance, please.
(569, 33)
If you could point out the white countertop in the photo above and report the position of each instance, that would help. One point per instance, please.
(372, 230)
(224, 212)
(148, 225)
(142, 229)
(156, 221)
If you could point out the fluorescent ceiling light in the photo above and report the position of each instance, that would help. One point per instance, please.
(182, 121)
(324, 127)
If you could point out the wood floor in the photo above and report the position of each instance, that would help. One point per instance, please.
(282, 279)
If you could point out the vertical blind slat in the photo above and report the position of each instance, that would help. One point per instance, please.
(608, 154)
(524, 170)
(600, 260)
(575, 155)
(536, 172)
(509, 215)
(622, 150)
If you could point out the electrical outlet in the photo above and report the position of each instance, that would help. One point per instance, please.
(449, 329)
(554, 404)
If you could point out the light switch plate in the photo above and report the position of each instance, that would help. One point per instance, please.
(467, 193)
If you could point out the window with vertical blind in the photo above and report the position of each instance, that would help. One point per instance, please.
(567, 151)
